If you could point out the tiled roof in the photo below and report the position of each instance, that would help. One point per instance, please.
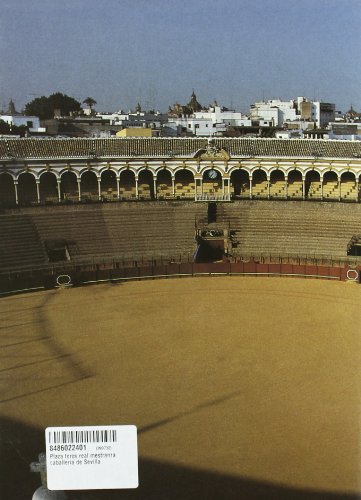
(30, 148)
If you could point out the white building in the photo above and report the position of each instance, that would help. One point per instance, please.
(211, 122)
(32, 122)
(274, 112)
(277, 113)
(136, 118)
(13, 118)
(323, 113)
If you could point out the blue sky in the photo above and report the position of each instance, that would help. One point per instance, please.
(156, 51)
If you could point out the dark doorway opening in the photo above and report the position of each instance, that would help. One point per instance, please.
(57, 250)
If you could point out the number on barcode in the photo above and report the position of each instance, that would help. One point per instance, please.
(88, 436)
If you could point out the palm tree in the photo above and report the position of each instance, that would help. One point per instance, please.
(89, 101)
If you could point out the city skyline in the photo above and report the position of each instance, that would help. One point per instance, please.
(155, 53)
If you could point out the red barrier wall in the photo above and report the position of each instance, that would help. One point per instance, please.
(10, 282)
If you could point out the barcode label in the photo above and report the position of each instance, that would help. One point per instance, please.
(83, 436)
(91, 457)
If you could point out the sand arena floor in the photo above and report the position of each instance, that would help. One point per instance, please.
(239, 387)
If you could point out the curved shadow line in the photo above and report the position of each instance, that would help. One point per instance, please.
(196, 408)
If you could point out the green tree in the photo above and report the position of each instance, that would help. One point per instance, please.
(89, 101)
(7, 129)
(44, 107)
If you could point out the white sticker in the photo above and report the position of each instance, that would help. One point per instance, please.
(88, 457)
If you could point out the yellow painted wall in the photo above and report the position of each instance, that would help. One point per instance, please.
(135, 132)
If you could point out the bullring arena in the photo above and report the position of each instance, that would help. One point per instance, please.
(219, 313)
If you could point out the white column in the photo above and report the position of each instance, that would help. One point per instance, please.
(222, 187)
(250, 187)
(155, 187)
(286, 187)
(229, 189)
(268, 187)
(99, 189)
(79, 189)
(38, 189)
(321, 181)
(357, 187)
(118, 188)
(59, 191)
(173, 186)
(339, 189)
(16, 192)
(136, 188)
(303, 188)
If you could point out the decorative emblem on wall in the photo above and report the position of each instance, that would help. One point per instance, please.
(213, 152)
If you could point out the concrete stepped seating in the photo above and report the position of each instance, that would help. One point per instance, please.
(185, 190)
(293, 227)
(314, 191)
(348, 191)
(164, 190)
(124, 230)
(294, 189)
(245, 191)
(330, 190)
(260, 190)
(278, 189)
(153, 229)
(212, 188)
(20, 245)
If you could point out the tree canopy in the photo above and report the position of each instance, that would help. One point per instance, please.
(7, 129)
(44, 107)
(89, 101)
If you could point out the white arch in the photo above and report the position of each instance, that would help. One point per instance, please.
(347, 171)
(12, 175)
(237, 168)
(210, 167)
(312, 170)
(69, 170)
(147, 169)
(106, 169)
(158, 171)
(127, 169)
(84, 170)
(330, 172)
(162, 168)
(253, 170)
(27, 172)
(294, 169)
(44, 171)
(278, 169)
(188, 168)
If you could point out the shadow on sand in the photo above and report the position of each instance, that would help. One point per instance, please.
(20, 445)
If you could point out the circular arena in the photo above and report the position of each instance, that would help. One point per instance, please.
(243, 381)
(240, 387)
